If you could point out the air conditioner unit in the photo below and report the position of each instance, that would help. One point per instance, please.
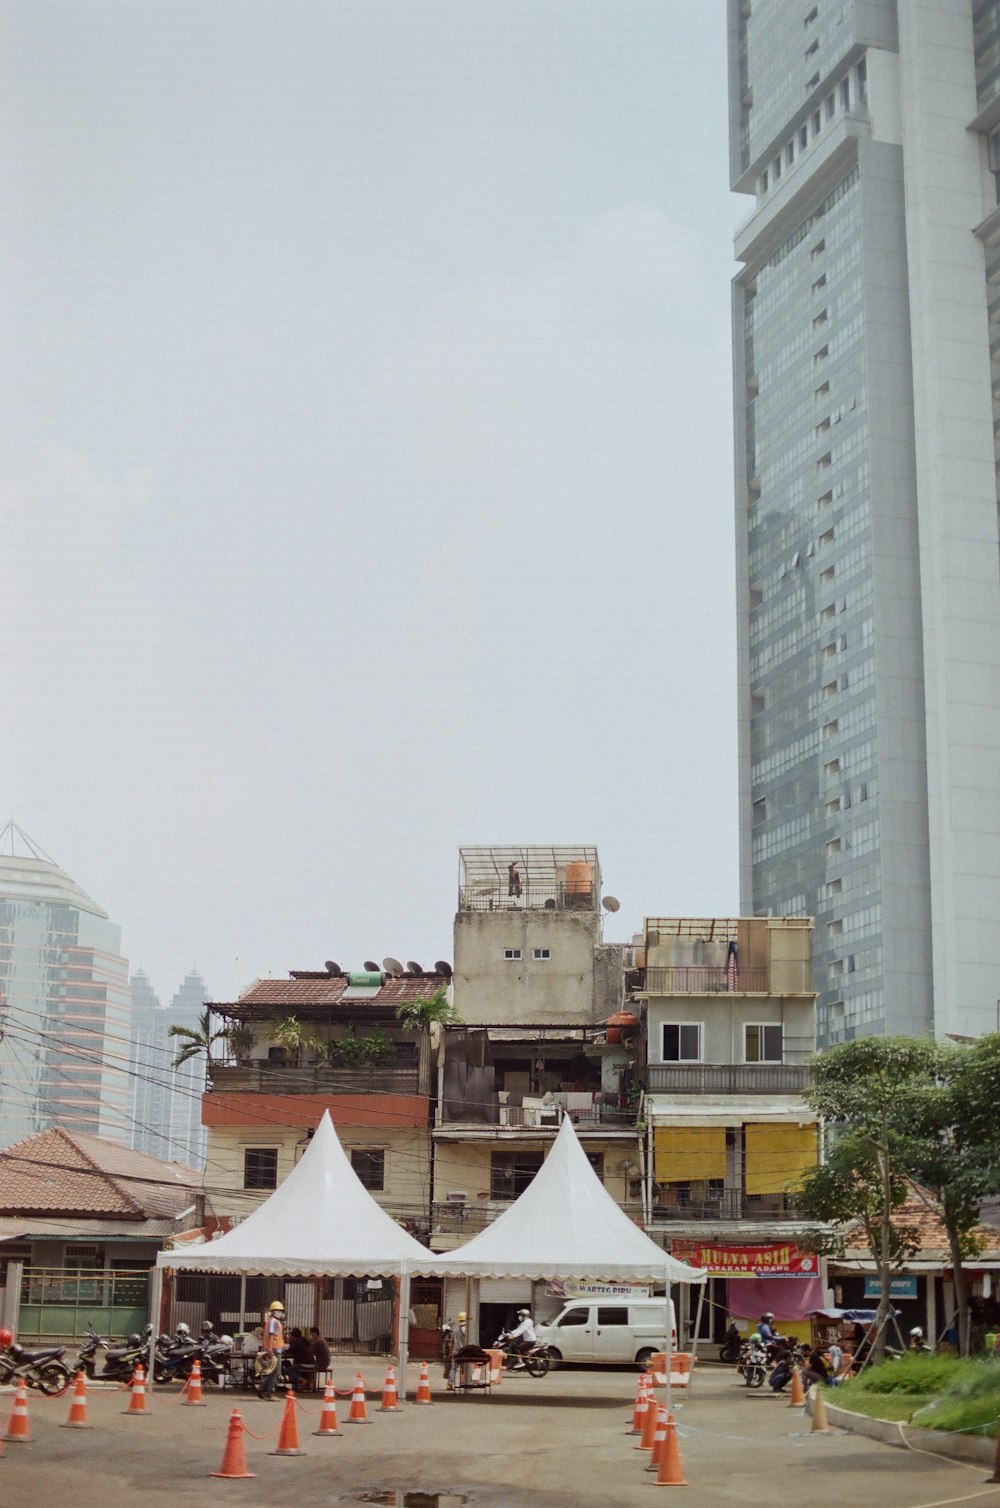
(456, 1196)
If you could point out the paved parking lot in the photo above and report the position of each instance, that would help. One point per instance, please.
(558, 1442)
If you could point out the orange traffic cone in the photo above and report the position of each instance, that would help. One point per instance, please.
(137, 1399)
(645, 1440)
(17, 1424)
(640, 1394)
(819, 1424)
(642, 1406)
(423, 1386)
(234, 1459)
(78, 1408)
(193, 1397)
(288, 1434)
(661, 1434)
(390, 1400)
(798, 1396)
(671, 1472)
(358, 1414)
(328, 1415)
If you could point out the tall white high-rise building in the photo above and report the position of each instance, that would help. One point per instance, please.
(867, 397)
(64, 1002)
(166, 1101)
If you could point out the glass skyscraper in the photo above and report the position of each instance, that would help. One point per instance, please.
(166, 1101)
(64, 1002)
(867, 380)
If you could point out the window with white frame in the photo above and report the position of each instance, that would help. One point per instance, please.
(762, 1042)
(539, 955)
(511, 955)
(682, 1042)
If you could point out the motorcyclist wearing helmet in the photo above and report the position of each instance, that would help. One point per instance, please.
(274, 1342)
(915, 1340)
(182, 1335)
(523, 1337)
(766, 1328)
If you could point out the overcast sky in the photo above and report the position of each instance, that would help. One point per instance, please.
(366, 451)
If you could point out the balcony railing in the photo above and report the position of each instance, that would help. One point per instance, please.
(598, 1115)
(731, 1205)
(282, 1078)
(468, 1219)
(716, 980)
(527, 897)
(726, 1078)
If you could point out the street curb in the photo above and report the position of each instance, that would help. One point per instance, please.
(935, 1442)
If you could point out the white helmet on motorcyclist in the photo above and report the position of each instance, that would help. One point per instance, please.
(524, 1314)
(916, 1331)
(183, 1329)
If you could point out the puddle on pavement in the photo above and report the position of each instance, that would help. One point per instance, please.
(396, 1498)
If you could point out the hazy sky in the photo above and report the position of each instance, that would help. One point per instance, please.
(366, 461)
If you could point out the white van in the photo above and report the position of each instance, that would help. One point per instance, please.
(623, 1333)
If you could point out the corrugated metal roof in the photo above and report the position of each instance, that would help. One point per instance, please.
(30, 1227)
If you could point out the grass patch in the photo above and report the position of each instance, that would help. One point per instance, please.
(936, 1392)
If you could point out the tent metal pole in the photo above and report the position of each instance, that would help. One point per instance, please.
(243, 1303)
(697, 1332)
(404, 1330)
(670, 1331)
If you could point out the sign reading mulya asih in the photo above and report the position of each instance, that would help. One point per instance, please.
(761, 1261)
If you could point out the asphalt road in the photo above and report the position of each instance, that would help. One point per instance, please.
(558, 1442)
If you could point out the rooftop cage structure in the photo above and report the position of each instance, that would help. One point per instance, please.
(537, 878)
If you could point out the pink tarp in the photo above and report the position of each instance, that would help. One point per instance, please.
(785, 1298)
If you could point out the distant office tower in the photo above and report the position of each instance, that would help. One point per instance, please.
(64, 1002)
(867, 354)
(166, 1101)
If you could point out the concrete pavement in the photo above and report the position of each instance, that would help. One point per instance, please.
(557, 1442)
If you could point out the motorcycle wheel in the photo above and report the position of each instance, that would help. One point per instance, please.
(755, 1377)
(51, 1378)
(729, 1353)
(537, 1365)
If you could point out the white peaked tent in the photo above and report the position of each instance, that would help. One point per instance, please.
(565, 1225)
(320, 1222)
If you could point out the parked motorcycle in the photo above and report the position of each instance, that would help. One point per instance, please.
(537, 1361)
(753, 1364)
(176, 1355)
(98, 1359)
(44, 1369)
(731, 1345)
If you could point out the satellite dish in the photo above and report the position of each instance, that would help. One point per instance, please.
(333, 968)
(413, 968)
(611, 903)
(443, 968)
(393, 967)
(371, 968)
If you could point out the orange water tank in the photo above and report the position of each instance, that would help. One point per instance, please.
(619, 1022)
(579, 878)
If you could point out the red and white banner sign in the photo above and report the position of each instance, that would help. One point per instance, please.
(779, 1260)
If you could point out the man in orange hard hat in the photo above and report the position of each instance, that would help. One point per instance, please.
(272, 1347)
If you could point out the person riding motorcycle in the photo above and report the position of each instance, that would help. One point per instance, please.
(522, 1338)
(916, 1341)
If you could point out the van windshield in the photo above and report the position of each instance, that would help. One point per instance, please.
(574, 1317)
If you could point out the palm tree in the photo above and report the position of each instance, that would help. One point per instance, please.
(421, 1015)
(198, 1038)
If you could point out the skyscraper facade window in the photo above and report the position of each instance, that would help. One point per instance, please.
(64, 1002)
(867, 369)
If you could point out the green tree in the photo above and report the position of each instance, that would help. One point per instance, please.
(424, 1015)
(198, 1039)
(866, 1091)
(953, 1149)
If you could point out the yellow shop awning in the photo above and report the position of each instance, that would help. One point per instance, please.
(683, 1154)
(776, 1156)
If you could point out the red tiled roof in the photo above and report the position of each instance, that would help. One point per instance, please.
(70, 1173)
(329, 991)
(922, 1216)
